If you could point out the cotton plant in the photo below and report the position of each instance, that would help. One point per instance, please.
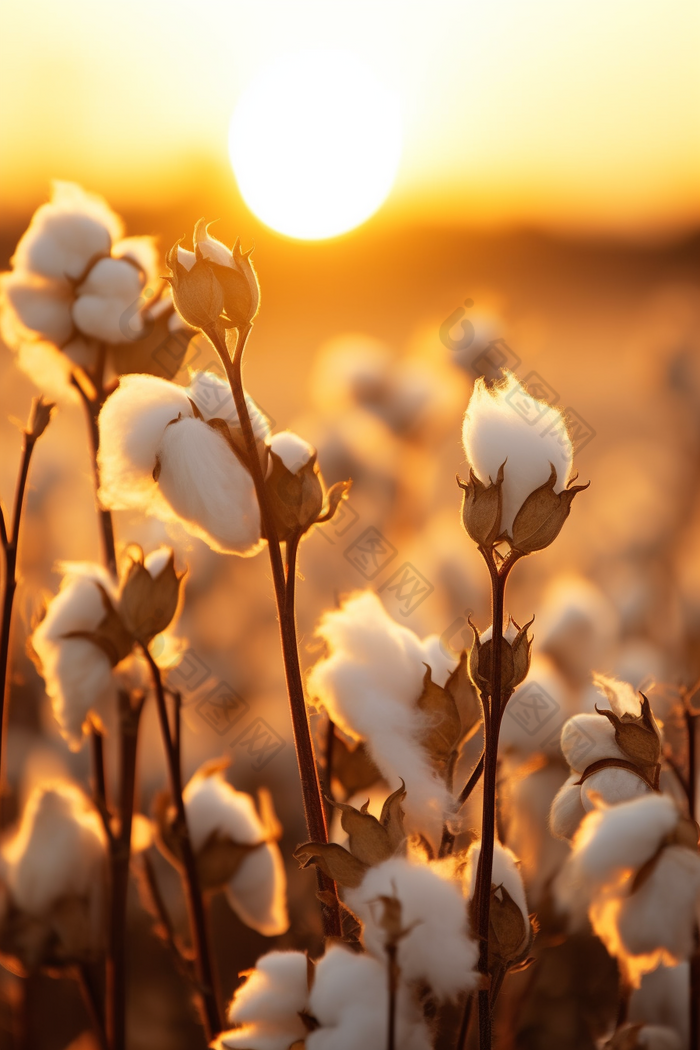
(78, 290)
(54, 882)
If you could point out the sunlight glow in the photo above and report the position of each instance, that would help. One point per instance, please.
(315, 143)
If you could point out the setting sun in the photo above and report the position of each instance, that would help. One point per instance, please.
(315, 144)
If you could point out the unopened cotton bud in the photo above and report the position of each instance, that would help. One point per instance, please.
(235, 849)
(65, 235)
(498, 431)
(438, 949)
(235, 273)
(110, 289)
(293, 485)
(55, 872)
(510, 932)
(39, 417)
(515, 658)
(149, 594)
(77, 671)
(349, 999)
(481, 508)
(266, 1008)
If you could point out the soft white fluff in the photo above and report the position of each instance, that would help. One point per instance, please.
(536, 710)
(257, 892)
(438, 950)
(506, 873)
(567, 810)
(42, 307)
(144, 252)
(110, 289)
(59, 850)
(653, 1037)
(577, 626)
(208, 488)
(505, 424)
(623, 699)
(212, 396)
(586, 739)
(132, 422)
(350, 999)
(77, 673)
(610, 843)
(267, 1006)
(663, 999)
(369, 683)
(291, 449)
(67, 233)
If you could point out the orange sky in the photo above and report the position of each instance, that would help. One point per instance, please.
(576, 115)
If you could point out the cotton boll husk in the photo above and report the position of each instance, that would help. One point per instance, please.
(369, 683)
(535, 710)
(212, 396)
(66, 234)
(505, 872)
(438, 950)
(658, 918)
(609, 843)
(663, 999)
(291, 449)
(59, 850)
(495, 432)
(109, 291)
(577, 626)
(132, 422)
(621, 696)
(350, 999)
(77, 673)
(42, 307)
(612, 786)
(208, 488)
(567, 810)
(257, 892)
(586, 739)
(267, 1006)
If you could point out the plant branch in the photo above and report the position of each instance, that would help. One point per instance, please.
(92, 1005)
(284, 586)
(195, 900)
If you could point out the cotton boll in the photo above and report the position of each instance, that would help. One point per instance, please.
(67, 234)
(506, 873)
(213, 806)
(534, 713)
(369, 683)
(77, 673)
(586, 739)
(42, 307)
(208, 488)
(577, 626)
(132, 422)
(350, 1000)
(267, 1006)
(663, 999)
(438, 950)
(212, 396)
(111, 288)
(142, 251)
(291, 449)
(257, 892)
(621, 696)
(498, 428)
(612, 786)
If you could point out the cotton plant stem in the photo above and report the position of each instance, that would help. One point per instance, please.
(448, 838)
(92, 1005)
(464, 1027)
(9, 535)
(308, 772)
(195, 900)
(691, 721)
(391, 951)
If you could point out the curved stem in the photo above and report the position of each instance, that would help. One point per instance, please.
(195, 901)
(284, 585)
(473, 780)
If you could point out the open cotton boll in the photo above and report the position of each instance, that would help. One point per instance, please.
(610, 842)
(77, 673)
(499, 428)
(212, 396)
(586, 739)
(505, 872)
(438, 950)
(291, 449)
(577, 626)
(535, 710)
(526, 807)
(132, 422)
(268, 1005)
(142, 251)
(350, 1000)
(622, 697)
(58, 851)
(67, 233)
(567, 810)
(257, 890)
(612, 786)
(108, 293)
(663, 999)
(369, 683)
(208, 488)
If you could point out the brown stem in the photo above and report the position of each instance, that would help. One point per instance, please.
(691, 720)
(168, 930)
(10, 540)
(306, 759)
(695, 994)
(329, 748)
(91, 999)
(195, 901)
(464, 1027)
(448, 839)
(391, 951)
(493, 712)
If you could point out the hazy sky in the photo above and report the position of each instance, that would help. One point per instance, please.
(562, 112)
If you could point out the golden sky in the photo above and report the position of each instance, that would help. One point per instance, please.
(558, 113)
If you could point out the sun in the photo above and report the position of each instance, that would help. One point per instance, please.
(315, 144)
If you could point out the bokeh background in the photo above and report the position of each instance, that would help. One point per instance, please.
(547, 196)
